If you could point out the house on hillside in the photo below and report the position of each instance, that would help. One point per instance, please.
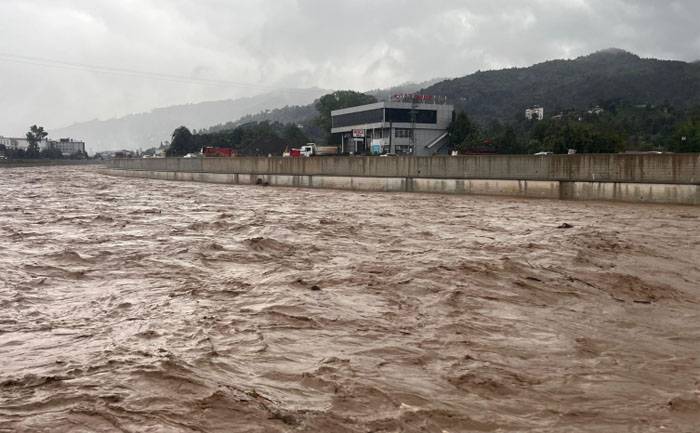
(536, 113)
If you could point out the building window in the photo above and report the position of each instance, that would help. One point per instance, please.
(405, 115)
(359, 118)
(403, 149)
(403, 133)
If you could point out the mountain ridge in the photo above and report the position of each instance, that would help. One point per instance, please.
(558, 85)
(148, 129)
(579, 83)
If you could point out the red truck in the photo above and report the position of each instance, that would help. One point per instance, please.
(220, 152)
(294, 153)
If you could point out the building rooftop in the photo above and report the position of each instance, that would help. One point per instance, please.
(393, 104)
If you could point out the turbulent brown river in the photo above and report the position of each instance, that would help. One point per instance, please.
(130, 305)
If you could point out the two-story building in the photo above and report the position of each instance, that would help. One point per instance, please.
(410, 128)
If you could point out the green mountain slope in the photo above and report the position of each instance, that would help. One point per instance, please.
(610, 75)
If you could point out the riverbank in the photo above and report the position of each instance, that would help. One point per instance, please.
(12, 163)
(663, 179)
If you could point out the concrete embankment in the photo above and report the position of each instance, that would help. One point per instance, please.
(13, 163)
(672, 178)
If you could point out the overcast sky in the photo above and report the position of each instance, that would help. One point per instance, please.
(251, 46)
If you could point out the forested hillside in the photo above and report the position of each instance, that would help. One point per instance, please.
(611, 76)
(609, 101)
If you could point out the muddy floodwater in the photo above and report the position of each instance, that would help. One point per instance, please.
(130, 305)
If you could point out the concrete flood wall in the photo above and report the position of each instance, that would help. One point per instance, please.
(14, 163)
(665, 178)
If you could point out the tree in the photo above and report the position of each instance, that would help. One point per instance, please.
(182, 142)
(294, 136)
(508, 142)
(462, 132)
(686, 137)
(79, 155)
(253, 138)
(336, 101)
(51, 153)
(35, 136)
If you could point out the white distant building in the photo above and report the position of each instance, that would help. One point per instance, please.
(68, 146)
(535, 112)
(17, 143)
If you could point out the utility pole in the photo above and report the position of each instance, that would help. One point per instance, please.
(412, 139)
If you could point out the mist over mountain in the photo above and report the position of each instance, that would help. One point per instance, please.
(408, 87)
(305, 114)
(146, 130)
(611, 75)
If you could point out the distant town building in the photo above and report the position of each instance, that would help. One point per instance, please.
(596, 110)
(123, 154)
(17, 143)
(535, 112)
(409, 125)
(68, 146)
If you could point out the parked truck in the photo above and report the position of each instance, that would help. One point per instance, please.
(311, 149)
(220, 152)
(293, 153)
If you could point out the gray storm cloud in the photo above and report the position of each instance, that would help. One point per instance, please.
(253, 46)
